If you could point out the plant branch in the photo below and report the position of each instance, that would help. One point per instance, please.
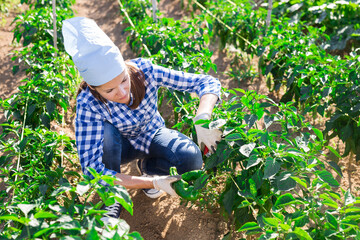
(54, 25)
(132, 25)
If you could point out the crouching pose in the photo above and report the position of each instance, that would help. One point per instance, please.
(117, 120)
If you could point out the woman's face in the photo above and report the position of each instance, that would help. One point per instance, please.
(116, 90)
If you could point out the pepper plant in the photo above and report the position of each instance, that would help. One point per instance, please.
(67, 213)
(269, 151)
(340, 18)
(36, 25)
(45, 196)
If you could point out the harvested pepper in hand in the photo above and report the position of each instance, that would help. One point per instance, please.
(183, 187)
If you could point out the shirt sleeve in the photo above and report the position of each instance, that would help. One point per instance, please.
(89, 139)
(199, 83)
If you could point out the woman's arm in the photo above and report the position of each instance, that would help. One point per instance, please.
(134, 181)
(207, 137)
(207, 103)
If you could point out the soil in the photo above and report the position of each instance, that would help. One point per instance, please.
(165, 217)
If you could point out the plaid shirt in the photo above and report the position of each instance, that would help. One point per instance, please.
(139, 125)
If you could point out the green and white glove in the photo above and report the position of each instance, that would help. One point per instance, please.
(164, 183)
(207, 137)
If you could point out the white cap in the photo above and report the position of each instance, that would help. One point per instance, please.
(94, 54)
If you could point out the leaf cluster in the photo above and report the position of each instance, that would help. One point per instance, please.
(270, 161)
(45, 197)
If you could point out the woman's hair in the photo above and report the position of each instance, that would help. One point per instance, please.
(137, 81)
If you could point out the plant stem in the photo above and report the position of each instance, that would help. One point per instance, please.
(268, 19)
(224, 24)
(54, 24)
(62, 139)
(348, 170)
(154, 10)
(253, 210)
(132, 25)
(21, 138)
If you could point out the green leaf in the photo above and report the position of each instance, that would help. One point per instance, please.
(253, 190)
(284, 200)
(302, 182)
(244, 204)
(26, 208)
(268, 120)
(95, 211)
(23, 143)
(15, 69)
(235, 106)
(92, 235)
(60, 190)
(249, 226)
(50, 107)
(272, 167)
(63, 104)
(75, 225)
(233, 137)
(336, 167)
(93, 172)
(284, 182)
(229, 197)
(253, 161)
(247, 149)
(123, 197)
(82, 188)
(346, 132)
(43, 188)
(334, 195)
(328, 178)
(266, 104)
(352, 209)
(301, 220)
(12, 218)
(201, 182)
(66, 218)
(45, 119)
(332, 220)
(328, 201)
(31, 109)
(250, 119)
(349, 198)
(302, 234)
(44, 214)
(285, 226)
(42, 231)
(271, 221)
(333, 151)
(217, 124)
(318, 133)
(201, 121)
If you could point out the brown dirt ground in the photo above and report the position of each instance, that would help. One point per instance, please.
(162, 218)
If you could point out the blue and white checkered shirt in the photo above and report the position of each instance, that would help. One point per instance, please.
(139, 125)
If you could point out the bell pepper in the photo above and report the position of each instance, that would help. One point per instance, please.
(183, 187)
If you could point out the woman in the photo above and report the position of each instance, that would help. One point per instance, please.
(117, 120)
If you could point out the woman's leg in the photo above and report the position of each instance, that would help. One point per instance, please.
(117, 150)
(172, 148)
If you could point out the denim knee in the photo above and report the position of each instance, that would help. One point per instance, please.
(189, 160)
(172, 148)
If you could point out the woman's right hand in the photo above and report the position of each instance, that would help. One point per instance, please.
(164, 183)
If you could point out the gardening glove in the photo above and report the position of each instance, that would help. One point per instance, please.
(207, 137)
(164, 183)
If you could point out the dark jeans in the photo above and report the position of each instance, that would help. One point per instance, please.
(168, 148)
